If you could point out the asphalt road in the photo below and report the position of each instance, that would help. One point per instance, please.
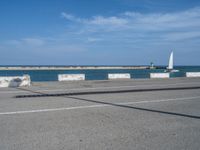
(163, 119)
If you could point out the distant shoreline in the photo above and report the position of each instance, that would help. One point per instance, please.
(71, 67)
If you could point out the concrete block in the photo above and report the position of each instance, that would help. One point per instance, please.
(71, 77)
(119, 76)
(192, 74)
(15, 81)
(159, 75)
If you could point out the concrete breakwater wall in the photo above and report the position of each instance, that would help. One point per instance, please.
(73, 67)
(192, 74)
(159, 75)
(119, 76)
(71, 77)
(15, 81)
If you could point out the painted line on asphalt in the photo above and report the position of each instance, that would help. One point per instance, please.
(98, 88)
(95, 106)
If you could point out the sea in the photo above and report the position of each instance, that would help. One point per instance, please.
(96, 74)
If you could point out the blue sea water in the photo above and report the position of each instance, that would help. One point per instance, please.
(52, 75)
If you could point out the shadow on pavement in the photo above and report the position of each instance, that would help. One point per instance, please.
(107, 103)
(137, 108)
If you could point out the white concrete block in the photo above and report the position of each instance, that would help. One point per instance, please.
(192, 74)
(159, 75)
(119, 76)
(71, 77)
(15, 81)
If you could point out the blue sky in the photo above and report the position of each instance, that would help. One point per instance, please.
(99, 32)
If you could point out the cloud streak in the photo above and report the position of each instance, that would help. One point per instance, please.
(135, 22)
(34, 42)
(124, 37)
(134, 33)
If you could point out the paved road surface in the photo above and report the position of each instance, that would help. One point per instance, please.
(158, 120)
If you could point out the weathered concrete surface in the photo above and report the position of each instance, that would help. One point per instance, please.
(160, 120)
(119, 76)
(159, 75)
(71, 77)
(15, 81)
(192, 74)
(72, 67)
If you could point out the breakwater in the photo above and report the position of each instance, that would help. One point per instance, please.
(70, 67)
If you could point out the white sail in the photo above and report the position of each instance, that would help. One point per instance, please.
(171, 63)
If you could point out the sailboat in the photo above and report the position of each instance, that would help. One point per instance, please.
(170, 67)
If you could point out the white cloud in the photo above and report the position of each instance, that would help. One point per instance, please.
(71, 17)
(67, 16)
(128, 29)
(64, 48)
(33, 41)
(175, 36)
(132, 31)
(100, 20)
(155, 22)
(92, 39)
(26, 42)
(13, 42)
(44, 45)
(135, 21)
(96, 20)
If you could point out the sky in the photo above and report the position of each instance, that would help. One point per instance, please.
(99, 32)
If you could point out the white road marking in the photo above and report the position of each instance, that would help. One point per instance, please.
(95, 106)
(97, 88)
